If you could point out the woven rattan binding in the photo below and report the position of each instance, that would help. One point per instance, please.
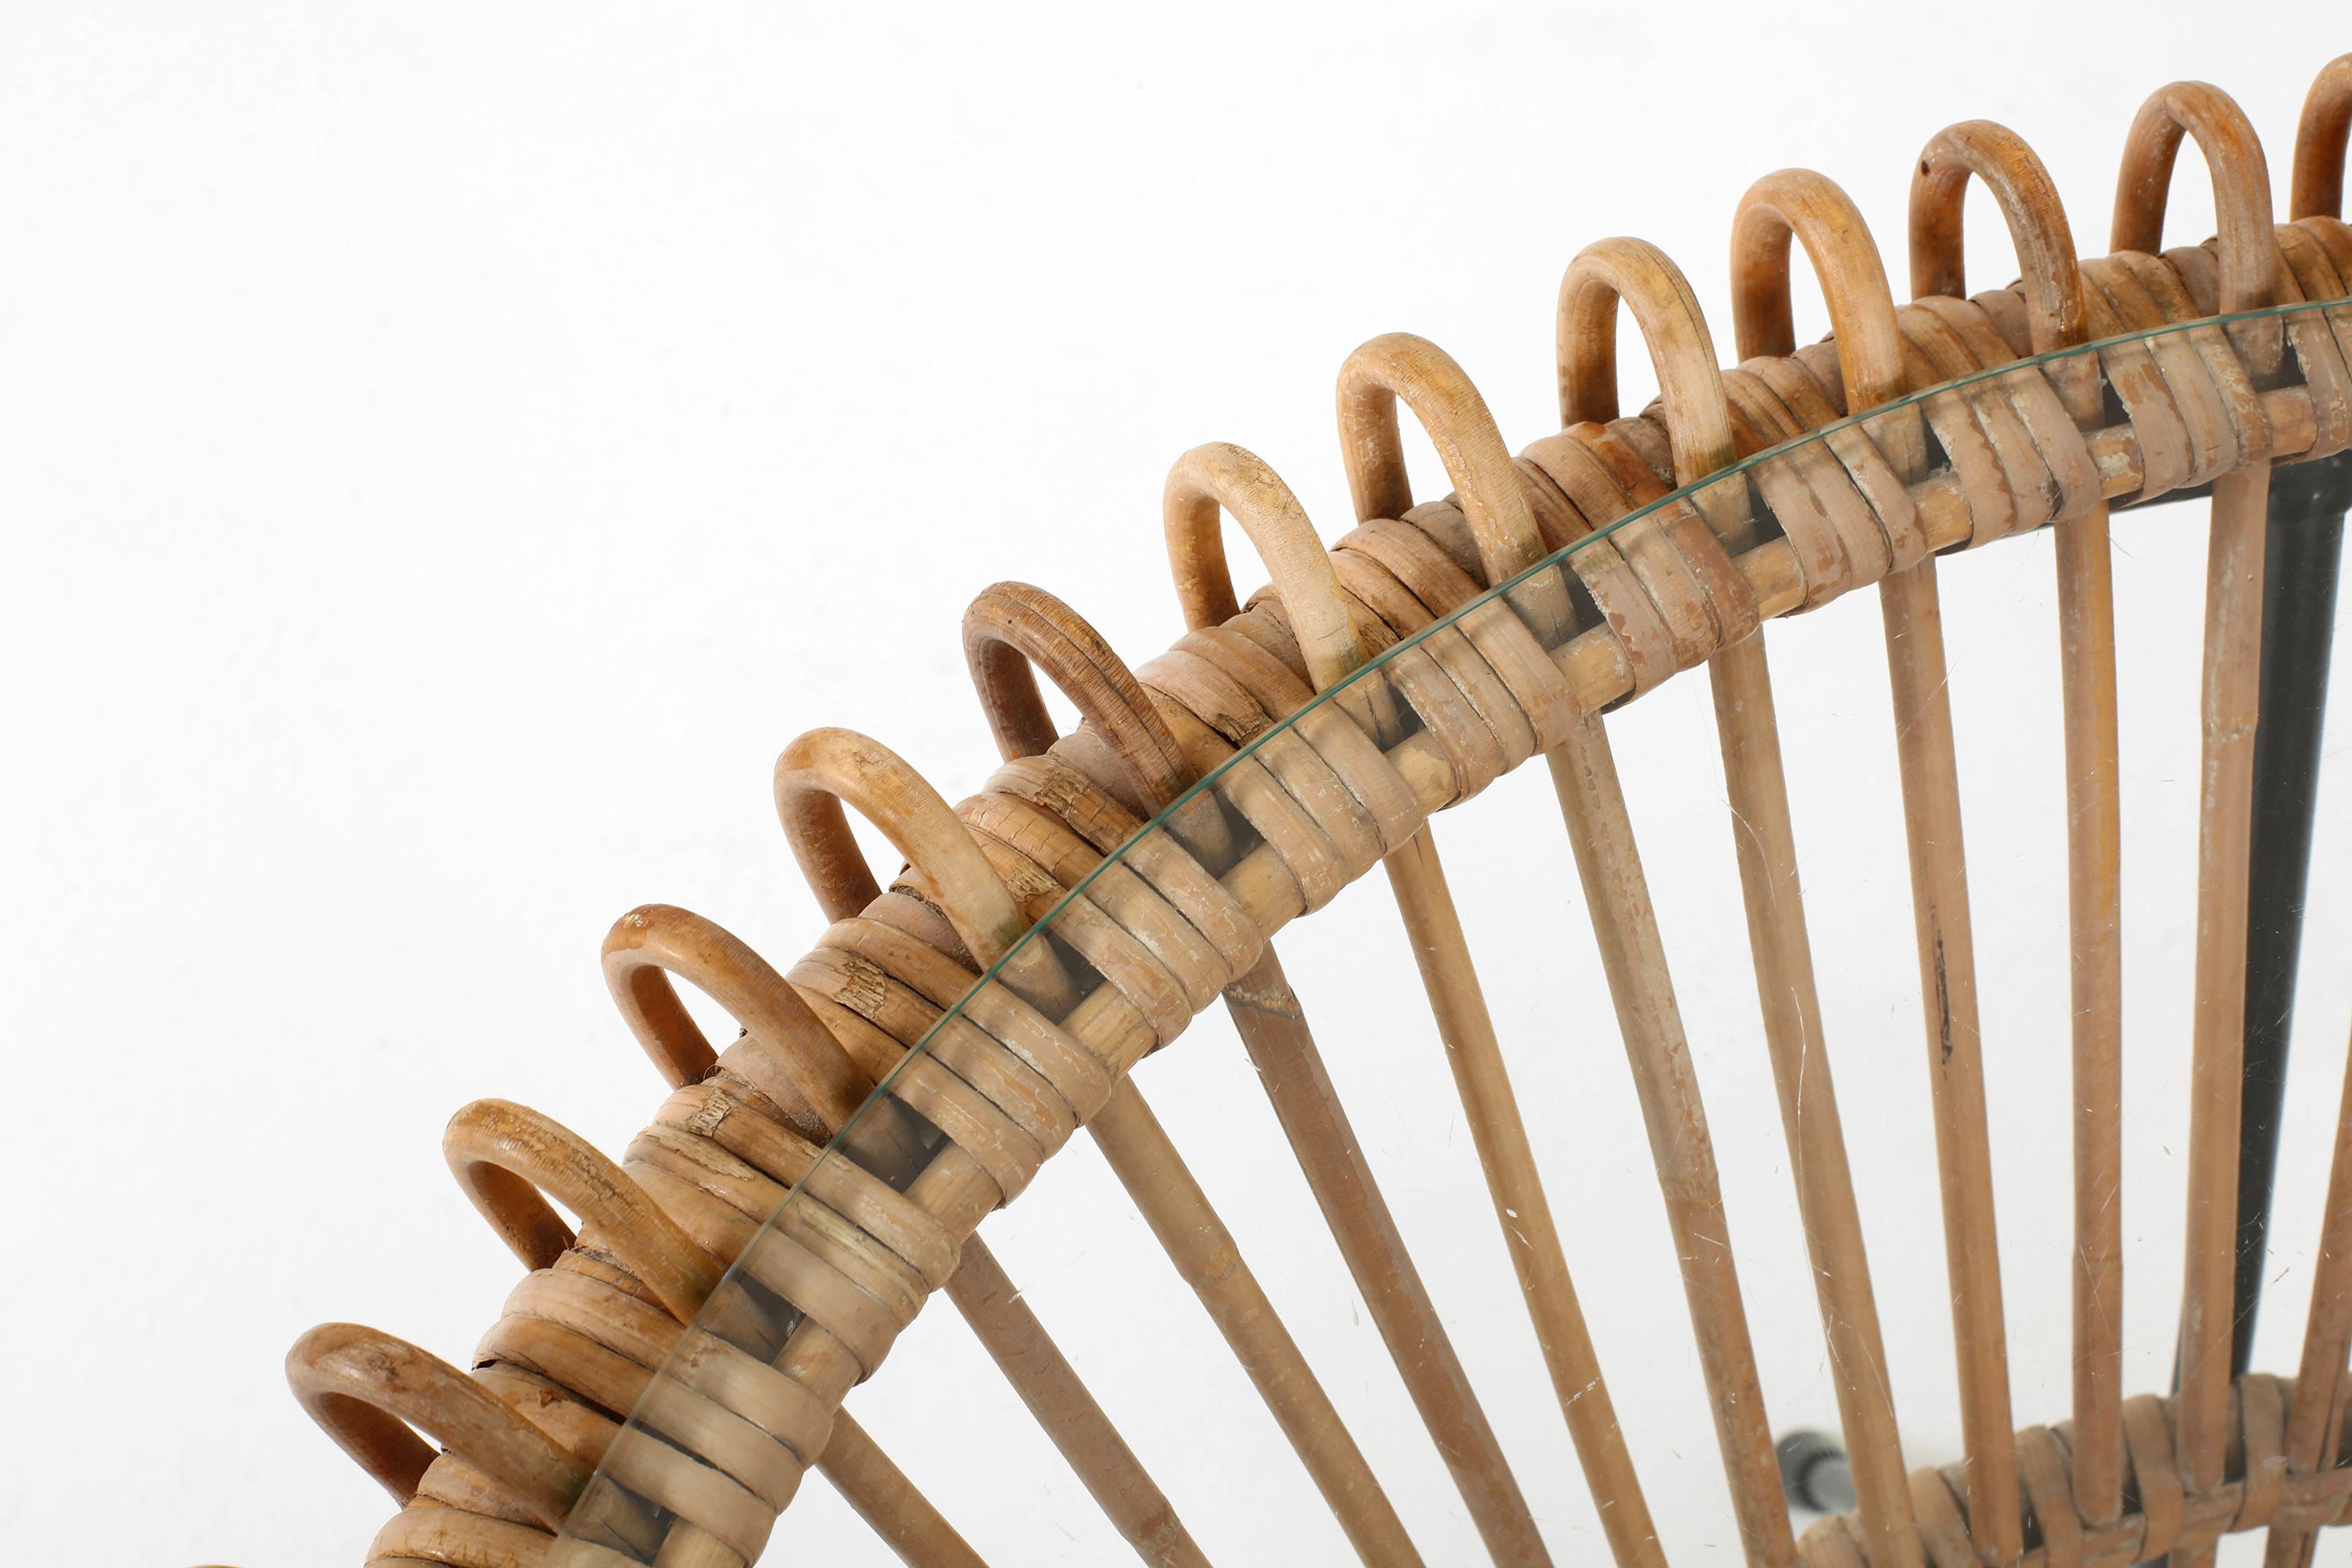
(1046, 1046)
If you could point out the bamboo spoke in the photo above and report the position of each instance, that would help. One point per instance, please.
(1204, 1253)
(1801, 1072)
(1272, 1028)
(1492, 1110)
(886, 1500)
(1948, 979)
(2086, 622)
(2233, 617)
(2316, 1427)
(1052, 1390)
(1593, 803)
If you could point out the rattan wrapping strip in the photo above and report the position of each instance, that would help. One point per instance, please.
(1158, 938)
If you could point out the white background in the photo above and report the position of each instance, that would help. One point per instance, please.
(446, 451)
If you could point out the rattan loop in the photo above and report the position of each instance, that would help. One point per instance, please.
(1398, 366)
(372, 1392)
(1698, 414)
(1011, 626)
(1223, 476)
(824, 768)
(506, 1155)
(2317, 185)
(1011, 631)
(1887, 454)
(1697, 410)
(2242, 187)
(2037, 226)
(650, 944)
(1812, 209)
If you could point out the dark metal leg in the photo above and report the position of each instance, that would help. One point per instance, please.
(2304, 552)
(1815, 1472)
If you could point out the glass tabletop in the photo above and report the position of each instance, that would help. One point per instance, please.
(1129, 927)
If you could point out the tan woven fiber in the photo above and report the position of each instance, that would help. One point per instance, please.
(1188, 914)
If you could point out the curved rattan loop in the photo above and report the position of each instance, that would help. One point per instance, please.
(1822, 218)
(650, 943)
(1698, 414)
(2029, 203)
(506, 1155)
(1011, 626)
(1011, 631)
(2242, 187)
(1224, 477)
(824, 768)
(1398, 366)
(2316, 187)
(372, 1393)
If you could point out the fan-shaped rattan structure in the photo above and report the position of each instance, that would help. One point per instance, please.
(660, 1381)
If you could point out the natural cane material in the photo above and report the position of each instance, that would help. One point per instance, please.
(1433, 648)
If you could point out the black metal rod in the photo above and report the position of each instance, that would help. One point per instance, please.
(2301, 562)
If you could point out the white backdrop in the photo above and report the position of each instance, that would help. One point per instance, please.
(445, 452)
